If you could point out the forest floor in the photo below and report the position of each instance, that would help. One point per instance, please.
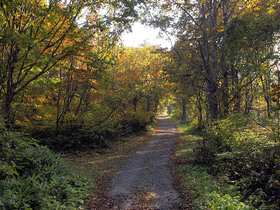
(137, 178)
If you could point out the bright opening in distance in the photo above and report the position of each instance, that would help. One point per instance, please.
(144, 35)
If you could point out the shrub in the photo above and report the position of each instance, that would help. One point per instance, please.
(241, 152)
(32, 176)
(217, 201)
(93, 135)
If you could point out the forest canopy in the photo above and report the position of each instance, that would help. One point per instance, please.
(61, 71)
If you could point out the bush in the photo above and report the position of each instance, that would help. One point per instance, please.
(93, 135)
(241, 152)
(217, 201)
(32, 176)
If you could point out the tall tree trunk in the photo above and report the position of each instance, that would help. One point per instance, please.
(200, 119)
(184, 113)
(266, 88)
(169, 109)
(9, 97)
(235, 85)
(156, 104)
(148, 104)
(211, 71)
(10, 86)
(135, 101)
(224, 67)
(249, 97)
(8, 105)
(228, 9)
(58, 115)
(225, 80)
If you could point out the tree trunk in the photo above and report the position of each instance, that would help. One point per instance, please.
(148, 104)
(225, 82)
(228, 9)
(184, 114)
(169, 109)
(235, 84)
(249, 99)
(8, 105)
(9, 98)
(10, 86)
(135, 101)
(58, 115)
(200, 119)
(224, 67)
(211, 72)
(266, 88)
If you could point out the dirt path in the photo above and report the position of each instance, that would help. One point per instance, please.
(145, 181)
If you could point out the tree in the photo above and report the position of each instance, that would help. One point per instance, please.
(32, 42)
(234, 40)
(36, 36)
(136, 82)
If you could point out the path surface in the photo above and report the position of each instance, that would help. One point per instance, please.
(146, 177)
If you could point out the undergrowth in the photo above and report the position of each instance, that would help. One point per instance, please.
(196, 180)
(33, 177)
(232, 165)
(90, 136)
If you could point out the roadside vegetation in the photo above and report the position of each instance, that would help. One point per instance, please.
(34, 177)
(233, 167)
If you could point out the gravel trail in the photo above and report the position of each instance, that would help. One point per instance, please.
(146, 181)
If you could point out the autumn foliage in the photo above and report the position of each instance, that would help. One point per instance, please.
(65, 82)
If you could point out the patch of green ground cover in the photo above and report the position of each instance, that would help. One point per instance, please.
(195, 180)
(34, 177)
(247, 159)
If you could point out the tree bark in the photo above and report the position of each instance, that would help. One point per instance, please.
(148, 104)
(266, 88)
(235, 85)
(135, 101)
(211, 71)
(10, 86)
(200, 118)
(224, 67)
(184, 114)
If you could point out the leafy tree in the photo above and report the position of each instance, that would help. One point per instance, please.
(32, 42)
(136, 83)
(37, 36)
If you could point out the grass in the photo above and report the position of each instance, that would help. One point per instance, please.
(101, 167)
(202, 190)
